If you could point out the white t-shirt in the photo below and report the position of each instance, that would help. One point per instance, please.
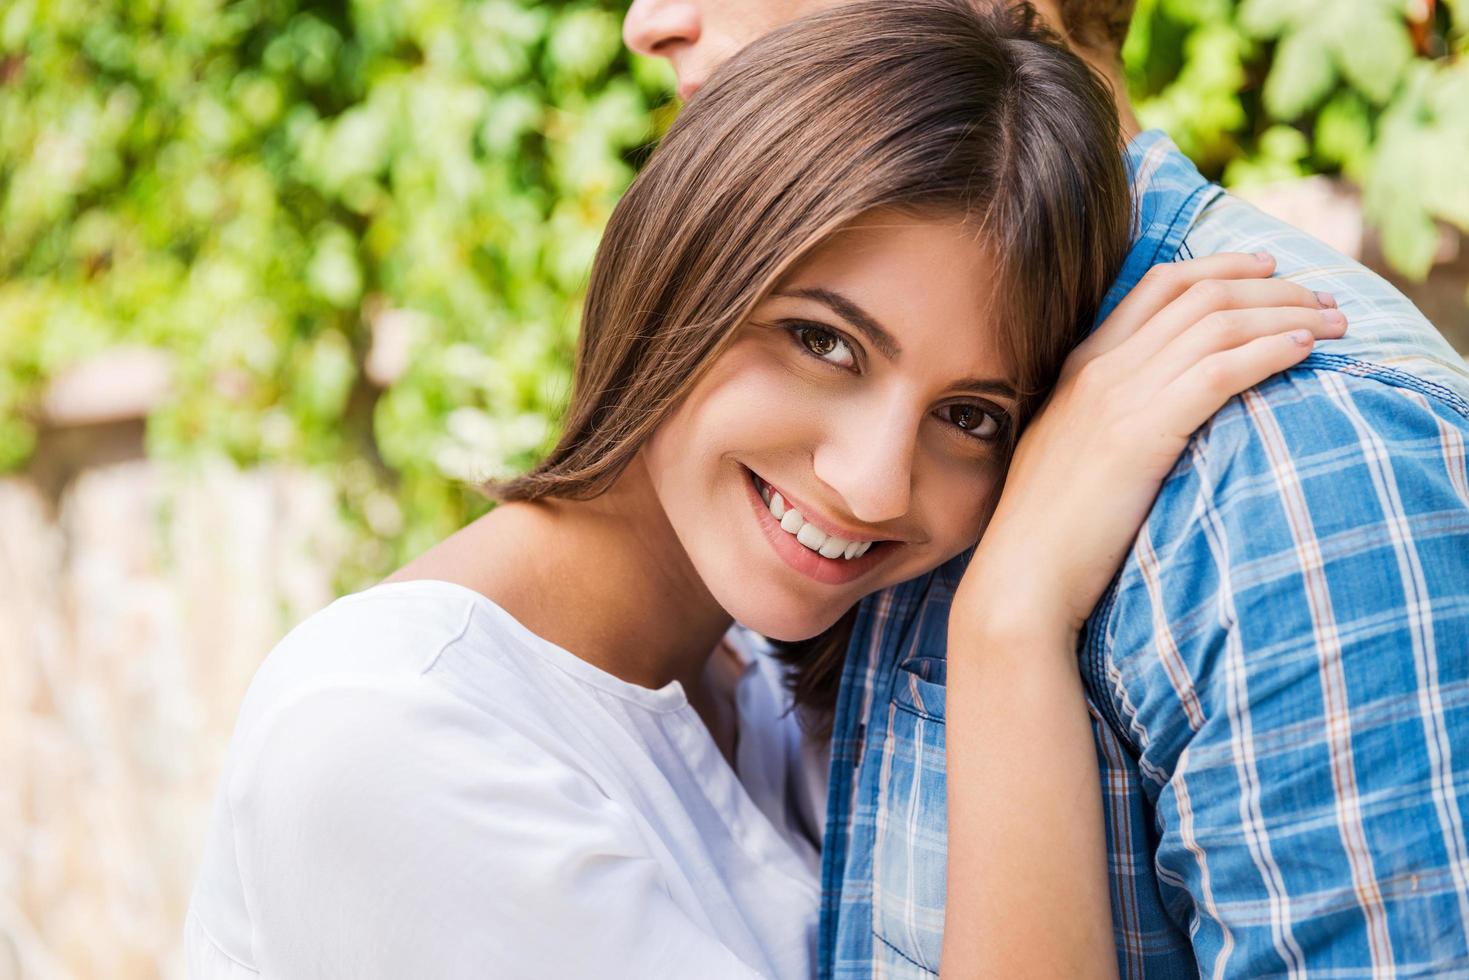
(419, 786)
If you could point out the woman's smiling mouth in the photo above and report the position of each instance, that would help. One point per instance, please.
(828, 558)
(808, 534)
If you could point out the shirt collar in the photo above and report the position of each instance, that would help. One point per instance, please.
(1168, 192)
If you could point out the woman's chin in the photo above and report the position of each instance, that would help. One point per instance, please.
(789, 635)
(782, 620)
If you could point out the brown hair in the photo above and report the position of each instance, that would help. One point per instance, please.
(942, 107)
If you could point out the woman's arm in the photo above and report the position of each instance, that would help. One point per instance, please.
(1027, 883)
(1027, 875)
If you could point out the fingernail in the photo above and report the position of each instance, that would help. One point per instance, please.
(1334, 317)
(1264, 256)
(1301, 338)
(1326, 299)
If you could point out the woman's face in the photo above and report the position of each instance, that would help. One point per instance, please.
(864, 402)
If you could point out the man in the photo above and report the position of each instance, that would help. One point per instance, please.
(1278, 677)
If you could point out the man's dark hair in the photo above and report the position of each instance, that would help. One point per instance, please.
(1100, 25)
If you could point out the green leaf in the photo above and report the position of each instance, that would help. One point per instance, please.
(1409, 241)
(1302, 75)
(1282, 149)
(583, 44)
(1372, 48)
(1344, 133)
(1271, 18)
(334, 274)
(1459, 11)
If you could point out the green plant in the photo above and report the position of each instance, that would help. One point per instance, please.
(361, 228)
(1377, 90)
(270, 189)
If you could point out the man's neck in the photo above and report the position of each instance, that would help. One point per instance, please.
(1106, 63)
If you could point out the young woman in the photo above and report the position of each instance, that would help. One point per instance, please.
(816, 325)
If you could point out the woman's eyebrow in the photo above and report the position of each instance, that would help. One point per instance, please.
(988, 386)
(853, 314)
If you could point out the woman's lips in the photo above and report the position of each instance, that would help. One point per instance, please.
(828, 571)
(823, 528)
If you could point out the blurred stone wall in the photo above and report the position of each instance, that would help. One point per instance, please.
(136, 601)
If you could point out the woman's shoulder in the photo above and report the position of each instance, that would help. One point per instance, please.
(365, 665)
(426, 679)
(391, 628)
(363, 787)
(382, 635)
(368, 707)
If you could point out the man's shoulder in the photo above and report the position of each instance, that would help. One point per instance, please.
(1336, 472)
(1332, 437)
(1328, 505)
(1390, 398)
(1385, 329)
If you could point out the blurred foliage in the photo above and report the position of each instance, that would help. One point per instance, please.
(1263, 90)
(263, 187)
(362, 227)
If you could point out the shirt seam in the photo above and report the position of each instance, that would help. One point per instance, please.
(1394, 377)
(433, 660)
(882, 939)
(198, 920)
(731, 821)
(477, 601)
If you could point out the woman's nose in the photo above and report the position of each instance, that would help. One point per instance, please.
(869, 463)
(659, 27)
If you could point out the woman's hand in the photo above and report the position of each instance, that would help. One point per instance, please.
(1087, 469)
(1027, 870)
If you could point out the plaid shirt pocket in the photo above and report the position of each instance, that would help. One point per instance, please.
(910, 847)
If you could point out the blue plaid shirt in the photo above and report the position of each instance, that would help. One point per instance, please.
(1278, 678)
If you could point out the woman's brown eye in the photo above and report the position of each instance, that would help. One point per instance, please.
(973, 420)
(825, 345)
(818, 342)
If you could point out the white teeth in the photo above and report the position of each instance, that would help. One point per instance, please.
(835, 547)
(809, 535)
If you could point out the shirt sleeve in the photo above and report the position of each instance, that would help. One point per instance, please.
(1287, 654)
(387, 830)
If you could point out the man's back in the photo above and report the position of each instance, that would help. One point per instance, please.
(1277, 677)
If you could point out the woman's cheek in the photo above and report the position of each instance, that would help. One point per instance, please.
(957, 500)
(768, 407)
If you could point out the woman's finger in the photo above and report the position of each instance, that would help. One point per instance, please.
(1166, 282)
(1192, 398)
(1229, 329)
(1213, 298)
